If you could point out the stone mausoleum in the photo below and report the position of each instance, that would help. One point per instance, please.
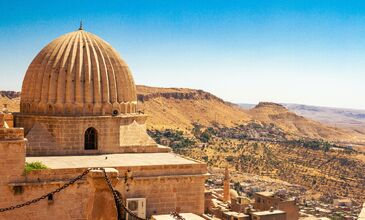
(78, 111)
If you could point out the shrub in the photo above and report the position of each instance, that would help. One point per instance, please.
(229, 158)
(205, 137)
(34, 166)
(176, 138)
(205, 158)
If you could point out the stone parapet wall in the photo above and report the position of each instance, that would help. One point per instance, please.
(12, 154)
(8, 134)
(12, 162)
(52, 175)
(163, 195)
(166, 188)
(68, 204)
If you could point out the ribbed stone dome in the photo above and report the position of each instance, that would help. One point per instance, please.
(78, 74)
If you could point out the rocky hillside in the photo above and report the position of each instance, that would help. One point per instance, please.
(326, 170)
(10, 94)
(180, 108)
(344, 118)
(351, 119)
(299, 126)
(9, 99)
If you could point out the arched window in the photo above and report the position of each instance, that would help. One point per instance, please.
(91, 139)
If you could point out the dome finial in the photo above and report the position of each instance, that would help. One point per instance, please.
(80, 28)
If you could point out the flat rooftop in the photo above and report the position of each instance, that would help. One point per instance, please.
(187, 216)
(266, 194)
(236, 214)
(111, 160)
(263, 213)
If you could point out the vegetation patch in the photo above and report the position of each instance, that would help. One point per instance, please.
(34, 166)
(172, 138)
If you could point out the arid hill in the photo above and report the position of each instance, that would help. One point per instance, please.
(10, 101)
(350, 119)
(344, 118)
(10, 94)
(180, 108)
(299, 126)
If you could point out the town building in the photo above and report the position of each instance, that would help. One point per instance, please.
(264, 201)
(342, 202)
(269, 215)
(227, 204)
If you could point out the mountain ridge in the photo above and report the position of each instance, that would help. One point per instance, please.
(208, 111)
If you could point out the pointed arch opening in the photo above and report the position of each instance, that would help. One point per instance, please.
(91, 139)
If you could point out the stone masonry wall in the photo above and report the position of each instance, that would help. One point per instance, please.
(49, 135)
(12, 154)
(166, 194)
(68, 204)
(166, 188)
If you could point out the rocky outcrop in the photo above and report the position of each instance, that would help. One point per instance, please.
(181, 94)
(270, 105)
(10, 94)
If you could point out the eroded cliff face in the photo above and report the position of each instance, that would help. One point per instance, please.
(271, 105)
(10, 94)
(145, 93)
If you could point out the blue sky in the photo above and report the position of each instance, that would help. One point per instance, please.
(310, 52)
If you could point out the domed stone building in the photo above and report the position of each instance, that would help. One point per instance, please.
(79, 97)
(78, 111)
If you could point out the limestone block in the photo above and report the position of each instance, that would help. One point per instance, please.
(102, 205)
